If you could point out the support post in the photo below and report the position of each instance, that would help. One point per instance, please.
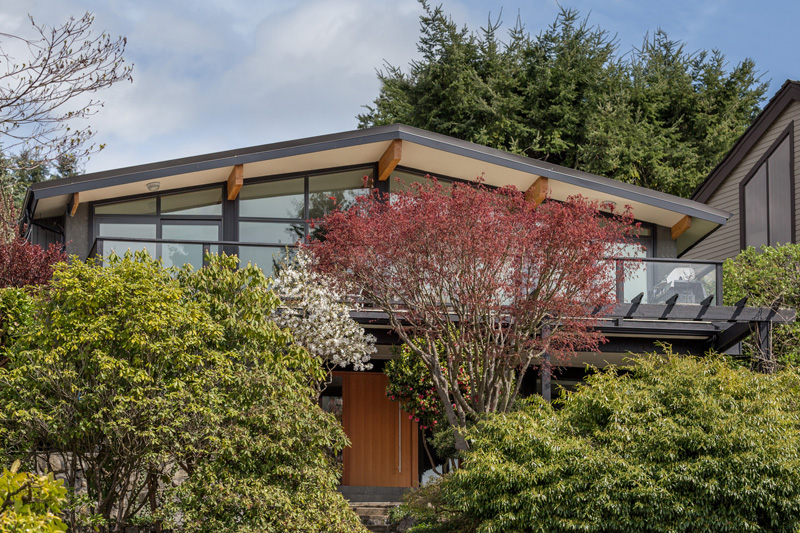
(766, 361)
(547, 371)
(547, 392)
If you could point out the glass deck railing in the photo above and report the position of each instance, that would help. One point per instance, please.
(657, 280)
(660, 281)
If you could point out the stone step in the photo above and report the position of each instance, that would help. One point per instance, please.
(374, 515)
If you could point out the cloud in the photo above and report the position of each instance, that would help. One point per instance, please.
(217, 75)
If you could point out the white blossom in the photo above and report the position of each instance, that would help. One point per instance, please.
(314, 311)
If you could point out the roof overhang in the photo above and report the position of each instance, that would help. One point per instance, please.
(423, 150)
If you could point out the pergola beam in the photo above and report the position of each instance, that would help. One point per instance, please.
(537, 193)
(390, 159)
(660, 313)
(235, 181)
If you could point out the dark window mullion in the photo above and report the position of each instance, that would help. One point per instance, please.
(306, 213)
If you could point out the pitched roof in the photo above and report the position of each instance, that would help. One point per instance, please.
(432, 152)
(788, 93)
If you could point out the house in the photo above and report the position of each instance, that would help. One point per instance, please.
(755, 182)
(256, 201)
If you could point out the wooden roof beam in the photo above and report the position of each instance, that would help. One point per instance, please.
(390, 159)
(681, 226)
(537, 193)
(72, 207)
(235, 181)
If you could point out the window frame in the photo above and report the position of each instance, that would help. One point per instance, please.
(788, 132)
(96, 219)
(305, 175)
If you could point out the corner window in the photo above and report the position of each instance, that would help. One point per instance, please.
(767, 197)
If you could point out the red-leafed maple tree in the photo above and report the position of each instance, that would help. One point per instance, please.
(22, 263)
(482, 274)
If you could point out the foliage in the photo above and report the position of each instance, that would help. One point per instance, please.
(92, 379)
(22, 263)
(768, 277)
(16, 309)
(241, 302)
(30, 503)
(19, 172)
(314, 310)
(130, 378)
(677, 444)
(268, 468)
(45, 91)
(411, 384)
(656, 116)
(482, 275)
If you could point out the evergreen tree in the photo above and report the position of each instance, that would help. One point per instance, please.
(657, 116)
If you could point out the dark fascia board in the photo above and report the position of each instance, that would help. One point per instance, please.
(372, 135)
(789, 92)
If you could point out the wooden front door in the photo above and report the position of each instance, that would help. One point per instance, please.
(383, 449)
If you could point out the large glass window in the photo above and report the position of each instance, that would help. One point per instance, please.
(767, 217)
(403, 180)
(277, 212)
(207, 202)
(188, 216)
(273, 199)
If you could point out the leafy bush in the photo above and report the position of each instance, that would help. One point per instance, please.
(30, 503)
(678, 444)
(16, 306)
(768, 277)
(131, 377)
(269, 469)
(22, 263)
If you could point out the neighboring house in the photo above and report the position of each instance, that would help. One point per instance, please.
(256, 201)
(755, 182)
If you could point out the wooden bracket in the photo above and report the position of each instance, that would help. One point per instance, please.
(389, 159)
(72, 207)
(537, 193)
(681, 226)
(235, 181)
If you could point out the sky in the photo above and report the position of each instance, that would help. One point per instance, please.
(213, 75)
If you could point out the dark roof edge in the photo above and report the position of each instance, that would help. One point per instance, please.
(437, 141)
(118, 176)
(789, 92)
(564, 174)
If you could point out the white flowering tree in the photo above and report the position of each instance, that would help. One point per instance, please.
(315, 312)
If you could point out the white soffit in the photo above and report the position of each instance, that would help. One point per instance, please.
(417, 156)
(457, 166)
(364, 154)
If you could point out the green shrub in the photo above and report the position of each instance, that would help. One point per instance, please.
(30, 503)
(767, 277)
(16, 306)
(678, 444)
(130, 377)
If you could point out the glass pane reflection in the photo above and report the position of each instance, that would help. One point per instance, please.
(207, 202)
(264, 257)
(273, 199)
(271, 232)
